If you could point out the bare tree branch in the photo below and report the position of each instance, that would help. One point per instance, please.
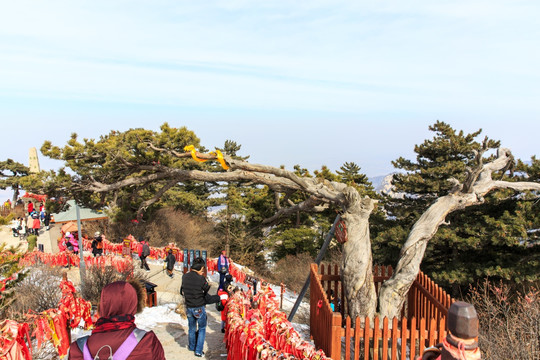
(276, 201)
(145, 204)
(183, 155)
(307, 205)
(277, 179)
(392, 293)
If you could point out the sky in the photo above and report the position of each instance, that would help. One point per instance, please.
(319, 82)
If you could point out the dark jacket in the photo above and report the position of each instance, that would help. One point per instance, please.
(170, 260)
(195, 290)
(97, 245)
(119, 301)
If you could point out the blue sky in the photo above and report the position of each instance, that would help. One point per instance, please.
(293, 82)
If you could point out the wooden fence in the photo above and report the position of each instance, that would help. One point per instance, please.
(404, 338)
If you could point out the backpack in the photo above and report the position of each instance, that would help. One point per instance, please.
(121, 353)
(145, 249)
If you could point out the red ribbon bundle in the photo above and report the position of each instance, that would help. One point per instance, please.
(50, 325)
(264, 332)
(12, 343)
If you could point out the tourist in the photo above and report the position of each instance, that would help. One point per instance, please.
(223, 268)
(170, 260)
(333, 302)
(119, 303)
(195, 291)
(71, 243)
(144, 252)
(47, 220)
(224, 295)
(97, 244)
(30, 224)
(36, 223)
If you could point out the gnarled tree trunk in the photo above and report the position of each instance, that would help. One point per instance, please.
(394, 291)
(479, 182)
(356, 267)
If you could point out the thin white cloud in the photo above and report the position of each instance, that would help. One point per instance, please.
(414, 61)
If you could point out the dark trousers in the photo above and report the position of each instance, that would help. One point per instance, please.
(144, 264)
(222, 279)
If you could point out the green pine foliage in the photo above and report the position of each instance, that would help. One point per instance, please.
(32, 242)
(239, 221)
(350, 174)
(296, 241)
(119, 156)
(244, 206)
(495, 239)
(11, 174)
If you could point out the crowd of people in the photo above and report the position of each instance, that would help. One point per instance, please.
(32, 222)
(115, 332)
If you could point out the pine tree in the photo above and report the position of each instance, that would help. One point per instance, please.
(128, 155)
(11, 173)
(239, 220)
(350, 174)
(489, 240)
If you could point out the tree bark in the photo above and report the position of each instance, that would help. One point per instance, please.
(393, 292)
(356, 267)
(357, 263)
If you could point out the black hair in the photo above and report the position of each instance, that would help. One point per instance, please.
(198, 264)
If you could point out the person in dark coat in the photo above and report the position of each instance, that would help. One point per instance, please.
(119, 303)
(47, 220)
(195, 291)
(144, 251)
(97, 244)
(170, 260)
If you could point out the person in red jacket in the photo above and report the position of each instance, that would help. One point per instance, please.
(224, 295)
(115, 328)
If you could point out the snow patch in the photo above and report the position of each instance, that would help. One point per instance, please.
(148, 319)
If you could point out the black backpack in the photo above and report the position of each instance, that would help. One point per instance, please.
(145, 249)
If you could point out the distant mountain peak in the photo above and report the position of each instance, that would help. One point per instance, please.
(383, 185)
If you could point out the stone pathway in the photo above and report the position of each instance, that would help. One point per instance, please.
(173, 336)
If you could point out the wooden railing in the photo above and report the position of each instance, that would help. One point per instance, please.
(324, 324)
(404, 338)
